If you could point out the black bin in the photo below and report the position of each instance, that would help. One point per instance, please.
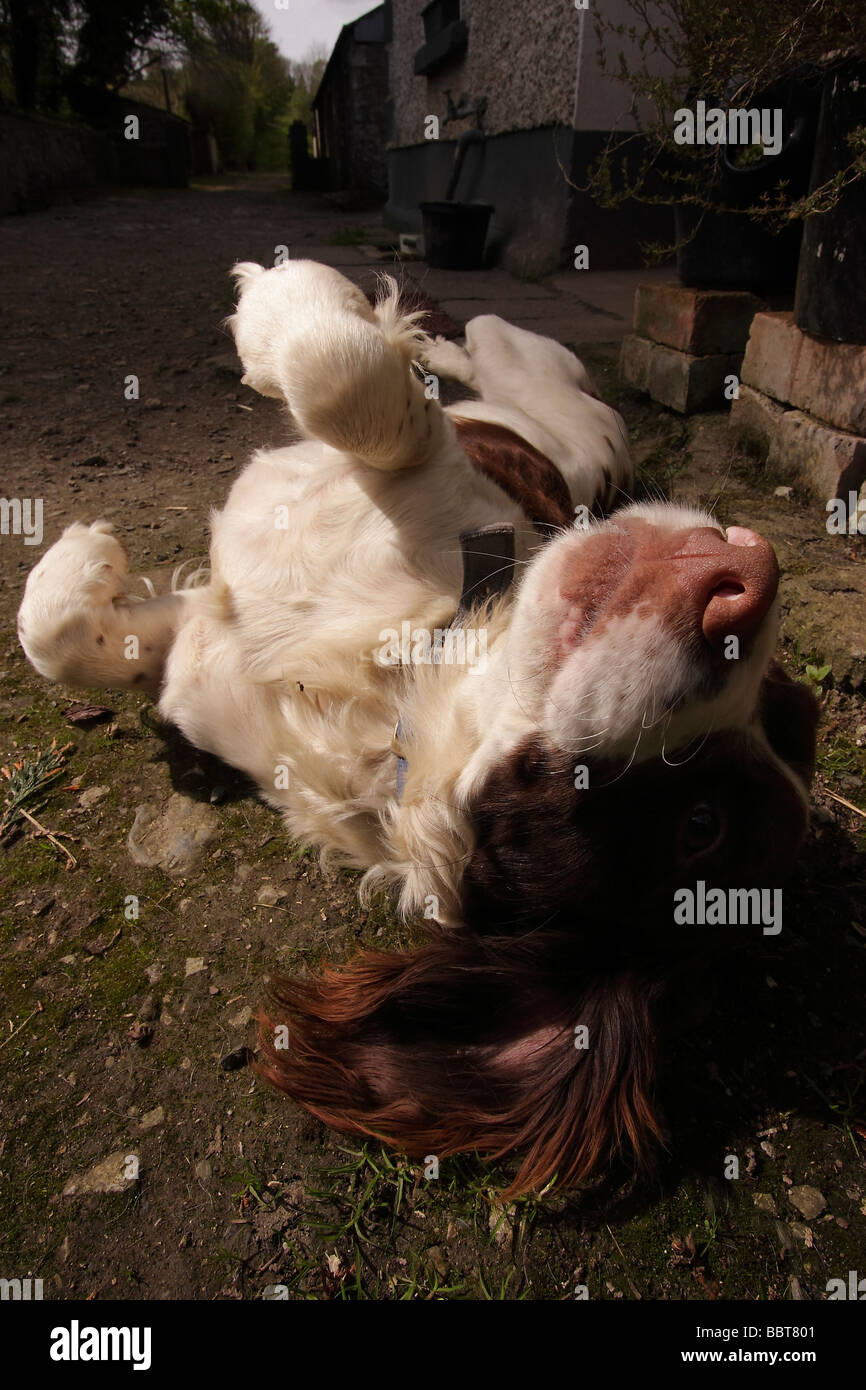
(454, 234)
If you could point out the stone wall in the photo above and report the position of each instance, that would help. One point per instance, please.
(42, 161)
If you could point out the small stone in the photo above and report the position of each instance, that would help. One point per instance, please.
(173, 836)
(91, 796)
(764, 1201)
(768, 1149)
(150, 1009)
(782, 491)
(140, 1033)
(154, 972)
(808, 1201)
(242, 1017)
(194, 965)
(204, 1169)
(438, 1260)
(116, 1173)
(152, 1118)
(499, 1224)
(270, 895)
(239, 1057)
(228, 362)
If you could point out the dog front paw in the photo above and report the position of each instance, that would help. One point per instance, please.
(87, 565)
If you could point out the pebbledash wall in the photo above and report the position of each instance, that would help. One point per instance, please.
(549, 111)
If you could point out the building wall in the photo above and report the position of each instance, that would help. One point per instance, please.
(367, 78)
(517, 171)
(550, 106)
(350, 106)
(522, 56)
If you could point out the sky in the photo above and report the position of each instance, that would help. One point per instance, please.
(296, 25)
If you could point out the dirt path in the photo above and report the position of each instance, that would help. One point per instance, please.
(122, 1035)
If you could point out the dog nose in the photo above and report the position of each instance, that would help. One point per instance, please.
(730, 580)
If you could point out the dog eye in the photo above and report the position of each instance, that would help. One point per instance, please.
(702, 828)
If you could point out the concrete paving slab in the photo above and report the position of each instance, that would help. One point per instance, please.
(338, 256)
(613, 290)
(477, 284)
(567, 323)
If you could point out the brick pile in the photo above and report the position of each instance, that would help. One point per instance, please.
(802, 406)
(687, 345)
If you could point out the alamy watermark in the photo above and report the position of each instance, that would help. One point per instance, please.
(735, 126)
(22, 516)
(443, 646)
(21, 1290)
(735, 907)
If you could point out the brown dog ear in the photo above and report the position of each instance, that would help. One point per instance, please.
(789, 713)
(494, 1044)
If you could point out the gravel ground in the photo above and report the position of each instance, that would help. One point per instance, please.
(139, 1158)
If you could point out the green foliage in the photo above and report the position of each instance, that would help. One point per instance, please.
(212, 60)
(27, 782)
(89, 47)
(242, 97)
(31, 44)
(817, 675)
(673, 52)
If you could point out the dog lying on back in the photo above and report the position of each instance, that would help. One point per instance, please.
(441, 665)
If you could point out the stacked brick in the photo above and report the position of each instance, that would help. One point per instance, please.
(802, 405)
(687, 345)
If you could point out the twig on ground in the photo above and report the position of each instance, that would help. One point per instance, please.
(850, 804)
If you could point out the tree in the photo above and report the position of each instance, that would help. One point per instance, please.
(31, 36)
(306, 75)
(90, 47)
(239, 86)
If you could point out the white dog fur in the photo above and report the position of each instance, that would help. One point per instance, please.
(272, 666)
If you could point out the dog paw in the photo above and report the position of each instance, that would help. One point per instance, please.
(449, 360)
(87, 565)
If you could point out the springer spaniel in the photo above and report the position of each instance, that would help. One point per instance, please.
(539, 731)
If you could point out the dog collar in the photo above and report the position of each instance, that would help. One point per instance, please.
(488, 570)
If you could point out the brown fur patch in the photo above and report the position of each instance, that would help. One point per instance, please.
(530, 478)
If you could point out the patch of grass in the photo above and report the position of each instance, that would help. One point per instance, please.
(843, 1100)
(365, 1194)
(499, 1293)
(249, 1189)
(29, 783)
(351, 236)
(841, 754)
(424, 1282)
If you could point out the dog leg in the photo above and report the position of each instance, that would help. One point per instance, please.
(449, 360)
(80, 623)
(307, 334)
